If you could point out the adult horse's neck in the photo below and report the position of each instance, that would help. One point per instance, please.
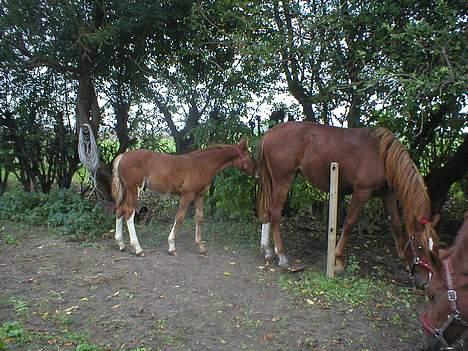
(217, 158)
(460, 248)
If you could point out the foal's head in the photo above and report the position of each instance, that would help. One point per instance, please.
(244, 161)
(445, 320)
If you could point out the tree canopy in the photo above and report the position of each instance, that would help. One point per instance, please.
(198, 71)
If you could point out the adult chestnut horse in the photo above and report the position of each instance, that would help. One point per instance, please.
(445, 320)
(371, 161)
(188, 176)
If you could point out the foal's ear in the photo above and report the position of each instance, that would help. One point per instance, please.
(244, 143)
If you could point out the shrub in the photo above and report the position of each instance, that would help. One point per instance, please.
(64, 210)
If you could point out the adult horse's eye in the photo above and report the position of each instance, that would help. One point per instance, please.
(430, 297)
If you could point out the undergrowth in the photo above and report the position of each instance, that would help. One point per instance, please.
(64, 211)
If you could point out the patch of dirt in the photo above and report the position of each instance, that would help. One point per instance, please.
(228, 300)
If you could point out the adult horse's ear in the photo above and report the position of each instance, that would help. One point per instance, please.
(436, 258)
(435, 220)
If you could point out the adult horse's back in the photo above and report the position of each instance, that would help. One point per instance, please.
(372, 162)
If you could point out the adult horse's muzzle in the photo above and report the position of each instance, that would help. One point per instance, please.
(433, 343)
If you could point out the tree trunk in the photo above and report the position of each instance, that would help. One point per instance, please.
(121, 112)
(441, 179)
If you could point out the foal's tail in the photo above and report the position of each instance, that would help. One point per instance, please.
(264, 174)
(118, 190)
(405, 180)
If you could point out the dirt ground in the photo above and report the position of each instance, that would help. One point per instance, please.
(228, 300)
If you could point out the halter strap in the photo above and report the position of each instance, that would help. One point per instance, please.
(417, 261)
(448, 274)
(424, 220)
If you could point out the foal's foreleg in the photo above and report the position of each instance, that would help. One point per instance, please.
(185, 201)
(198, 225)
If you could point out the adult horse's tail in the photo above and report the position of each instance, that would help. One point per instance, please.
(405, 180)
(264, 175)
(118, 190)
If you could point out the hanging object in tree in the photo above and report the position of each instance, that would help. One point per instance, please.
(88, 153)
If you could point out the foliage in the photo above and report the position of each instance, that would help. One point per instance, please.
(196, 70)
(11, 332)
(232, 195)
(63, 210)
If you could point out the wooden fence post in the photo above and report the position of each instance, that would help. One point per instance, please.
(332, 219)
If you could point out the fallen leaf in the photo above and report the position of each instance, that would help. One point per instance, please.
(268, 336)
(227, 274)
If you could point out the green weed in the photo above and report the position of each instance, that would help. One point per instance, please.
(11, 332)
(20, 306)
(10, 240)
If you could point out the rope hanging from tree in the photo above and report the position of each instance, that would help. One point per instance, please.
(88, 152)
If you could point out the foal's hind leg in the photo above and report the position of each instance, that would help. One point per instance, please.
(391, 209)
(129, 213)
(358, 200)
(133, 237)
(198, 223)
(185, 201)
(119, 232)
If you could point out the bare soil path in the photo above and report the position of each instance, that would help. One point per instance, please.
(226, 301)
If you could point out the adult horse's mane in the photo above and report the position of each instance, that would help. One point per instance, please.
(405, 180)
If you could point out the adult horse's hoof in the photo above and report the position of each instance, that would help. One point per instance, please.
(292, 268)
(172, 253)
(122, 248)
(140, 254)
(269, 258)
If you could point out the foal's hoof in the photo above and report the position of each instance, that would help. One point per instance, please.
(140, 254)
(339, 270)
(172, 253)
(202, 250)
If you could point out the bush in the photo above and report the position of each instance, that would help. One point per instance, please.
(64, 210)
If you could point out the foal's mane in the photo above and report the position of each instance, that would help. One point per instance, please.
(404, 178)
(209, 148)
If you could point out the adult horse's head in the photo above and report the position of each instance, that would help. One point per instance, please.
(244, 161)
(445, 320)
(421, 249)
